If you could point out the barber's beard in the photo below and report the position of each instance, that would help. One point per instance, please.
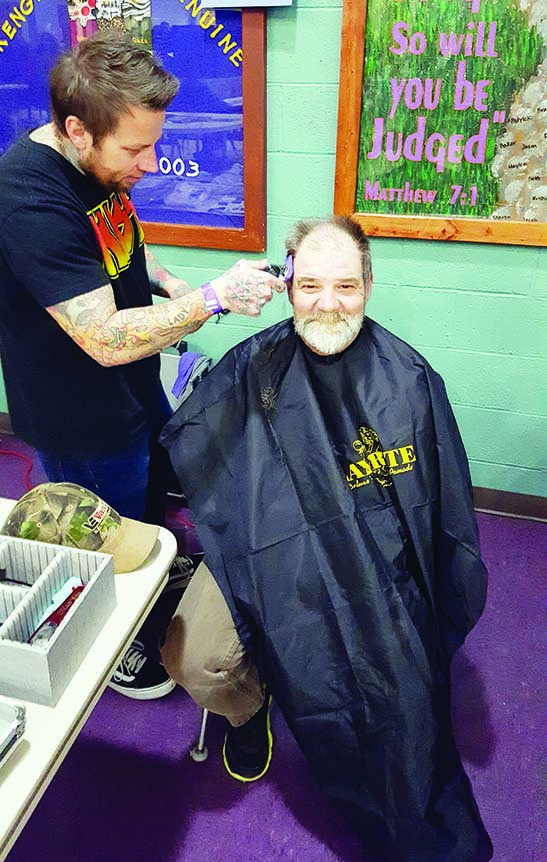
(329, 333)
(88, 167)
(108, 185)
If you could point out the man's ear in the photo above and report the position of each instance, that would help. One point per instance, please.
(77, 134)
(368, 289)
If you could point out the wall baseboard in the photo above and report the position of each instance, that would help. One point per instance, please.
(508, 503)
(487, 500)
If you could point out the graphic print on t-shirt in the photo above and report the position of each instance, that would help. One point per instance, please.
(118, 230)
(376, 464)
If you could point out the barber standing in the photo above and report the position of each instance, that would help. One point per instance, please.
(79, 334)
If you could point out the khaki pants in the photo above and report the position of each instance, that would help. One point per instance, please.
(203, 653)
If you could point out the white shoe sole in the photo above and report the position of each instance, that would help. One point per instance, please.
(153, 693)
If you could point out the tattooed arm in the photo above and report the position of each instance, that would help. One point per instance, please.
(163, 282)
(113, 337)
(245, 288)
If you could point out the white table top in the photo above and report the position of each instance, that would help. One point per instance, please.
(50, 731)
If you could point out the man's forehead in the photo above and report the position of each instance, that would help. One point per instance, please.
(138, 124)
(328, 244)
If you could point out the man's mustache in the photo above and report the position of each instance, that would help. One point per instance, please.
(328, 318)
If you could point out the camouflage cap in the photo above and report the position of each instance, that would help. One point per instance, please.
(62, 513)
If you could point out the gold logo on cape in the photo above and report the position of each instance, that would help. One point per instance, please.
(376, 464)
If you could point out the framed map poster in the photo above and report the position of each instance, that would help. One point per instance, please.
(442, 125)
(209, 190)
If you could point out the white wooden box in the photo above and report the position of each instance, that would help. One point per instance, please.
(41, 674)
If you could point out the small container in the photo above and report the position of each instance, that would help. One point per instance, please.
(41, 673)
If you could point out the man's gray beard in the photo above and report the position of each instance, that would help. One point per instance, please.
(329, 333)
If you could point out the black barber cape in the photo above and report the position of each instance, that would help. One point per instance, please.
(333, 499)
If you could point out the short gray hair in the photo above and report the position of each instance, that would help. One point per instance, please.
(298, 232)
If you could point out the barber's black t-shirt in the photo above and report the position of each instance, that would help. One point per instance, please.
(63, 235)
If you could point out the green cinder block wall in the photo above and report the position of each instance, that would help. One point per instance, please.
(478, 312)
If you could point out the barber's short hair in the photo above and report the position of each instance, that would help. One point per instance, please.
(303, 228)
(103, 77)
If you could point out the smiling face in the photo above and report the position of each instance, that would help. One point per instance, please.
(122, 158)
(328, 293)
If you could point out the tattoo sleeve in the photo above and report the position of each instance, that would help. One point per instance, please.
(113, 337)
(245, 289)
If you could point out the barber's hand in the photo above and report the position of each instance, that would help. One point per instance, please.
(245, 288)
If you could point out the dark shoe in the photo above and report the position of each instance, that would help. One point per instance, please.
(181, 571)
(140, 677)
(247, 749)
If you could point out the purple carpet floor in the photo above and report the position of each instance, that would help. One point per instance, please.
(129, 791)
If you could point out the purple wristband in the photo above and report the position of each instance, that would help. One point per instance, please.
(211, 299)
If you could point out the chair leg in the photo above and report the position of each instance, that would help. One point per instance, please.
(199, 751)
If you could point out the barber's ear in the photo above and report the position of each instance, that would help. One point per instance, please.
(76, 133)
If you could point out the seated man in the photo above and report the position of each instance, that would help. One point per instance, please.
(332, 495)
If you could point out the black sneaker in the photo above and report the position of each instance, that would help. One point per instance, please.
(140, 677)
(247, 750)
